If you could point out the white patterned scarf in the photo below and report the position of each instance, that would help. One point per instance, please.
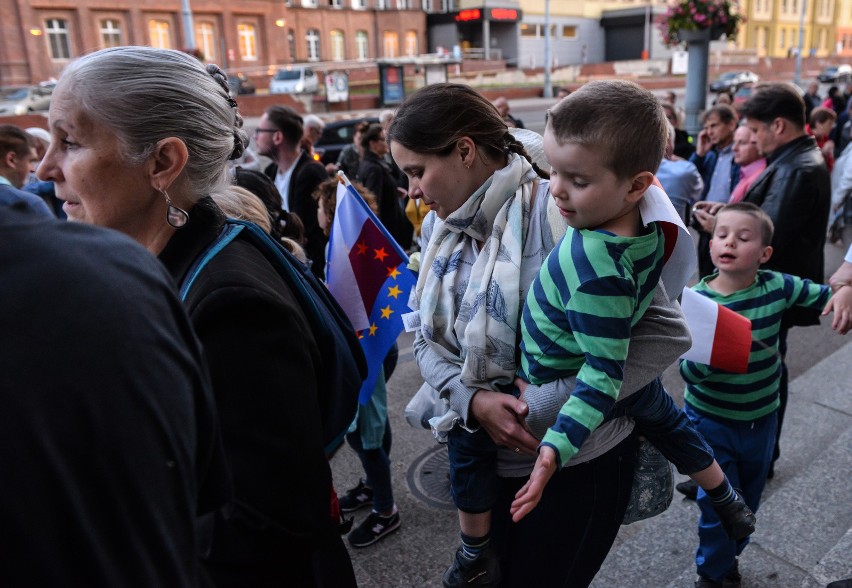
(474, 323)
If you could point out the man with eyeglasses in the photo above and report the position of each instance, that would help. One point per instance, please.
(295, 173)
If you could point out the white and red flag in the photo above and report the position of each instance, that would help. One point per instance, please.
(721, 338)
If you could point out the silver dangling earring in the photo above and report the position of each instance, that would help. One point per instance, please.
(176, 217)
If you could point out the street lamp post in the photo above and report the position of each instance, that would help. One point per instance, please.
(188, 29)
(548, 85)
(798, 76)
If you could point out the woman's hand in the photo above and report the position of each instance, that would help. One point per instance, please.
(502, 416)
(705, 214)
(529, 496)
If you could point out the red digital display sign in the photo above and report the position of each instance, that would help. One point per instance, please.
(504, 14)
(468, 15)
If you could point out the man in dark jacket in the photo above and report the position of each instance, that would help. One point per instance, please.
(795, 191)
(295, 174)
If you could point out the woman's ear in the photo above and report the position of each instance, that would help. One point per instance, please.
(467, 151)
(639, 185)
(167, 162)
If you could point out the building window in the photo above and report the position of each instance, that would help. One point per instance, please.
(569, 32)
(528, 30)
(335, 3)
(338, 45)
(291, 44)
(309, 3)
(427, 5)
(411, 47)
(205, 40)
(391, 44)
(313, 39)
(783, 44)
(359, 4)
(362, 44)
(447, 6)
(382, 4)
(110, 33)
(160, 36)
(402, 4)
(248, 41)
(57, 37)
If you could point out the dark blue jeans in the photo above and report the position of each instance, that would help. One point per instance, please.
(667, 427)
(376, 464)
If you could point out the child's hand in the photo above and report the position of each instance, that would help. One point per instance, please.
(841, 304)
(529, 496)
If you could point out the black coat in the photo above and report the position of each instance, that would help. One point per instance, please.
(306, 176)
(263, 362)
(108, 439)
(376, 175)
(795, 191)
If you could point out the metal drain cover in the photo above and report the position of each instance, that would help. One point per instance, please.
(429, 478)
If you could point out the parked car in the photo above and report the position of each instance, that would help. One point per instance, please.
(742, 94)
(732, 80)
(240, 84)
(23, 99)
(835, 73)
(294, 79)
(336, 135)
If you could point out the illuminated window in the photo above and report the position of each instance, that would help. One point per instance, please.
(110, 33)
(248, 41)
(391, 44)
(57, 37)
(362, 44)
(528, 30)
(411, 46)
(338, 46)
(205, 40)
(159, 33)
(569, 32)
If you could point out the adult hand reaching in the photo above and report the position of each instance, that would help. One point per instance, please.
(529, 495)
(502, 416)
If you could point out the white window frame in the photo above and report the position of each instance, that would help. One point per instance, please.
(110, 32)
(362, 44)
(338, 45)
(247, 41)
(312, 40)
(57, 39)
(160, 33)
(205, 39)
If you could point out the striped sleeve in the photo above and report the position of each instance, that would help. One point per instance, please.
(600, 314)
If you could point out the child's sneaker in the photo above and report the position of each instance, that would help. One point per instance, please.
(374, 527)
(736, 517)
(356, 497)
(482, 571)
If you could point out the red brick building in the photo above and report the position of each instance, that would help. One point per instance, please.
(38, 37)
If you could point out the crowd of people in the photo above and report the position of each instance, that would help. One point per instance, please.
(176, 438)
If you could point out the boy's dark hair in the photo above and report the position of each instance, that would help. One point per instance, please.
(288, 121)
(767, 228)
(617, 118)
(725, 113)
(771, 101)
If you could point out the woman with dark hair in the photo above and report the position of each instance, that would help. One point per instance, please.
(376, 174)
(485, 241)
(141, 139)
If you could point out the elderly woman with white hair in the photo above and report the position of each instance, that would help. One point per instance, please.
(141, 139)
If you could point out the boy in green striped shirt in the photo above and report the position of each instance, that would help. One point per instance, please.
(737, 413)
(596, 285)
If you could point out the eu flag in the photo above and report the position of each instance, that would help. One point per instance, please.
(367, 274)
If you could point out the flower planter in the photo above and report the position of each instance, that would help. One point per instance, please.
(699, 36)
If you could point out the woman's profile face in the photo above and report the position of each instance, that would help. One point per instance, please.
(90, 174)
(442, 182)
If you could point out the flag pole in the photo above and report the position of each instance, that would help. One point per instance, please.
(341, 177)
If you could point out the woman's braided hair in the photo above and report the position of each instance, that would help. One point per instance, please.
(241, 139)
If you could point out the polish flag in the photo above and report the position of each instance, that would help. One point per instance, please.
(679, 257)
(721, 338)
